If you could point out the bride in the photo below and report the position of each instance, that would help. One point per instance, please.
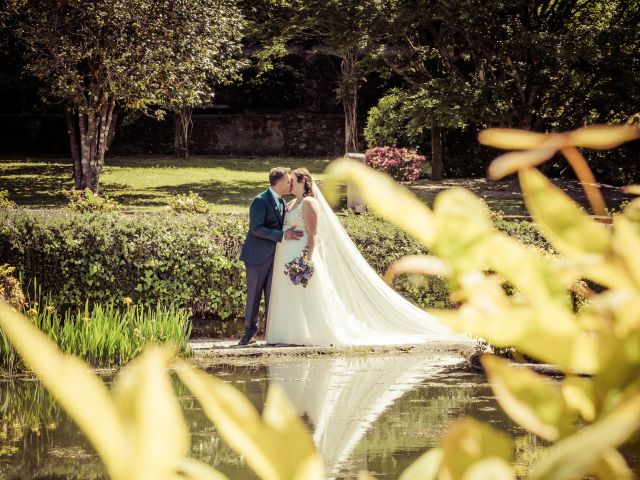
(345, 302)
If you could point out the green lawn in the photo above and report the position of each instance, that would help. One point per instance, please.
(229, 184)
(144, 183)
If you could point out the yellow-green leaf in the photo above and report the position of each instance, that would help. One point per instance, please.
(468, 441)
(579, 396)
(191, 469)
(513, 162)
(571, 231)
(277, 446)
(622, 357)
(528, 271)
(76, 388)
(603, 137)
(426, 467)
(615, 310)
(148, 406)
(544, 332)
(490, 468)
(632, 189)
(529, 399)
(464, 228)
(626, 245)
(612, 466)
(385, 197)
(512, 139)
(574, 456)
(420, 264)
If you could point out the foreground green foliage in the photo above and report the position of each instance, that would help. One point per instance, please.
(87, 201)
(186, 260)
(586, 418)
(137, 428)
(109, 335)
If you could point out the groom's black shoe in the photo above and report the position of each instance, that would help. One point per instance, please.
(248, 335)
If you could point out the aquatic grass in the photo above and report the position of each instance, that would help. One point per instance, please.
(105, 335)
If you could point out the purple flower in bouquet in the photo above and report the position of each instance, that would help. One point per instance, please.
(300, 269)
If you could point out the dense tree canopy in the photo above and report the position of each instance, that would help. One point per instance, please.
(96, 57)
(448, 68)
(548, 64)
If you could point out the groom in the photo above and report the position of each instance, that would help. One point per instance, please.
(266, 223)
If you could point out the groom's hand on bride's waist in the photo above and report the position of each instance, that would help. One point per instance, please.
(293, 234)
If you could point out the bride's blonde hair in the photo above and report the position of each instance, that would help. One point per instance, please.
(303, 176)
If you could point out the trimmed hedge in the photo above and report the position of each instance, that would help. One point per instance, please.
(188, 261)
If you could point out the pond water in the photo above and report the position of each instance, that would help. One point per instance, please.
(377, 413)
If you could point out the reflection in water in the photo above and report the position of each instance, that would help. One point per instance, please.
(342, 397)
(376, 413)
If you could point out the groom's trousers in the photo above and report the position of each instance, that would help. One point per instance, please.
(258, 282)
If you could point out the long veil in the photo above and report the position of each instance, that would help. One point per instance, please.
(364, 293)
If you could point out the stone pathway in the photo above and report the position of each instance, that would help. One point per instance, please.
(228, 349)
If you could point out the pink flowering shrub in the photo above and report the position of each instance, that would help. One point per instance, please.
(403, 164)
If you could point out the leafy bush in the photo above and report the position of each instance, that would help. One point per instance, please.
(402, 119)
(190, 261)
(87, 201)
(388, 123)
(191, 203)
(5, 203)
(10, 289)
(400, 163)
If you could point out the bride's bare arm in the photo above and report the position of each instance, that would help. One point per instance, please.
(310, 212)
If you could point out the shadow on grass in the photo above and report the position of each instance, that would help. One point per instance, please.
(230, 193)
(214, 192)
(36, 185)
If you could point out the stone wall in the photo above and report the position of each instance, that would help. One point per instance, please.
(299, 134)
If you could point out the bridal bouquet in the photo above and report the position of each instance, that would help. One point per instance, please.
(300, 269)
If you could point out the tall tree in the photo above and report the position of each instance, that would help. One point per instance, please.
(535, 65)
(346, 30)
(207, 52)
(101, 56)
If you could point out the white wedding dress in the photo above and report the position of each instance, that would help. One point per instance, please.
(346, 302)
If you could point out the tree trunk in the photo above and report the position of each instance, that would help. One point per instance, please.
(437, 167)
(348, 93)
(89, 142)
(183, 129)
(74, 142)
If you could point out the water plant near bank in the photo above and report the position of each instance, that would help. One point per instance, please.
(105, 335)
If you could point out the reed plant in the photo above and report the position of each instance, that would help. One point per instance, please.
(105, 335)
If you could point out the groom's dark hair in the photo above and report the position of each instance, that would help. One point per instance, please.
(276, 174)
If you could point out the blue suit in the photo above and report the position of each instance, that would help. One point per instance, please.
(265, 231)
